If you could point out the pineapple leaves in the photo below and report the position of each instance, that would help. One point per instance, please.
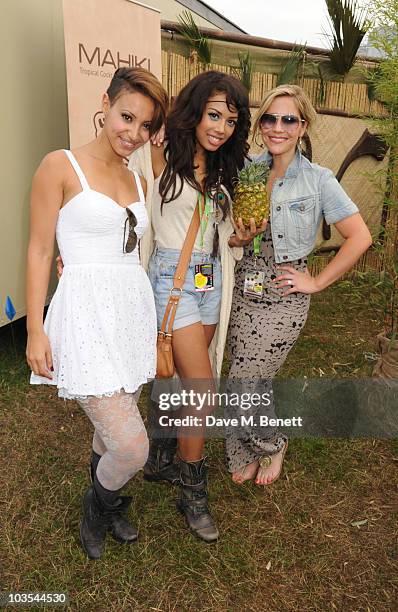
(256, 172)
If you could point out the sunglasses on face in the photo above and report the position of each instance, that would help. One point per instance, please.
(131, 243)
(289, 122)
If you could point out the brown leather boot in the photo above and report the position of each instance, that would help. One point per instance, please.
(193, 500)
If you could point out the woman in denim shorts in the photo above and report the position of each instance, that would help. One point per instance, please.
(206, 136)
(265, 326)
(194, 307)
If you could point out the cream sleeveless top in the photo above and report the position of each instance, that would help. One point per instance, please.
(171, 225)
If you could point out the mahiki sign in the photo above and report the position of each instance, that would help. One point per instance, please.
(101, 36)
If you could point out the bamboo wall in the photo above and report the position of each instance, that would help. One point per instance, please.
(352, 98)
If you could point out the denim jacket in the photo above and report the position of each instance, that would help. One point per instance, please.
(299, 200)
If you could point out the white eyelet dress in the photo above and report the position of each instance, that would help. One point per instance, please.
(101, 321)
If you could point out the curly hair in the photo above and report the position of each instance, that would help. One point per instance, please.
(186, 114)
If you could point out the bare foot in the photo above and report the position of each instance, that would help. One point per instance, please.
(247, 472)
(268, 474)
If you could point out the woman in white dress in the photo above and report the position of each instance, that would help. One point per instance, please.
(98, 342)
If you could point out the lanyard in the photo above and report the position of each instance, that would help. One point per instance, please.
(205, 210)
(257, 244)
(257, 247)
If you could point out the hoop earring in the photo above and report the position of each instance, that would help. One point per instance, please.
(259, 144)
(300, 144)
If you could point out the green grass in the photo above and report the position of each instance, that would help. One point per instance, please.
(291, 546)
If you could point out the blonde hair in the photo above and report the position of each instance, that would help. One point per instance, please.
(306, 110)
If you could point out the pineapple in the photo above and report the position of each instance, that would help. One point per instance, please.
(251, 197)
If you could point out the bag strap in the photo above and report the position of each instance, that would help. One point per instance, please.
(180, 273)
(186, 251)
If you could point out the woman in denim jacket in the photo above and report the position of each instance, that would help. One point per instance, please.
(264, 328)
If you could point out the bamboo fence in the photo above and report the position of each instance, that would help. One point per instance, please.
(351, 98)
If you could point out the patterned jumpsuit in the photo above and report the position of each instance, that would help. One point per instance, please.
(261, 333)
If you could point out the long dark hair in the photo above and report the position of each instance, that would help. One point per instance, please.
(185, 115)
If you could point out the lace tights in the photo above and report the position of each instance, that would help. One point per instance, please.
(119, 437)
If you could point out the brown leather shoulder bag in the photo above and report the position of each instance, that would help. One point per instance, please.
(165, 362)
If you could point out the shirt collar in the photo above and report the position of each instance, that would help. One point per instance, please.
(294, 166)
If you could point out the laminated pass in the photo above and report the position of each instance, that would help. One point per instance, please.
(204, 277)
(254, 283)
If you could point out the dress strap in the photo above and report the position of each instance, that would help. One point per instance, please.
(139, 186)
(77, 169)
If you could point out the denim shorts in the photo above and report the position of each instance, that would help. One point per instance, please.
(194, 306)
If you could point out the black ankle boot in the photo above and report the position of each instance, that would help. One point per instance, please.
(115, 506)
(119, 527)
(160, 466)
(193, 500)
(95, 458)
(94, 525)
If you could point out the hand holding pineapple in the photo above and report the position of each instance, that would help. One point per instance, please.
(244, 234)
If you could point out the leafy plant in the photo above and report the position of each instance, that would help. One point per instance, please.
(290, 70)
(198, 44)
(321, 94)
(381, 289)
(321, 72)
(245, 70)
(371, 79)
(384, 82)
(384, 33)
(348, 25)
